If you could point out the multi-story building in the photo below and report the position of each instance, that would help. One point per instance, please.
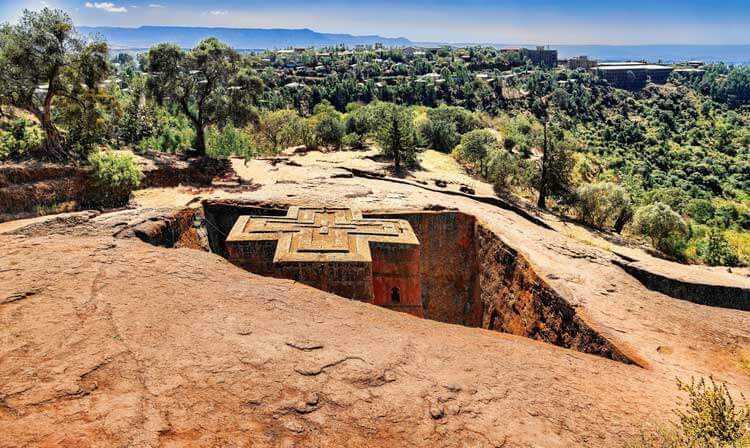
(633, 75)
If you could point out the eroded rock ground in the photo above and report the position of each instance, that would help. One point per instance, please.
(108, 341)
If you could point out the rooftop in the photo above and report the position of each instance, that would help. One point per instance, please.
(322, 234)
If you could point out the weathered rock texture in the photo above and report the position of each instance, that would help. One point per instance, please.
(695, 290)
(38, 189)
(448, 264)
(516, 300)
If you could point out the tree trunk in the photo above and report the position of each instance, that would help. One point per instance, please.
(542, 201)
(54, 146)
(200, 140)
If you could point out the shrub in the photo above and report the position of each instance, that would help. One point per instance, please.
(18, 138)
(659, 222)
(439, 134)
(353, 141)
(227, 142)
(174, 134)
(710, 419)
(505, 170)
(676, 198)
(715, 250)
(330, 130)
(601, 204)
(115, 176)
(701, 210)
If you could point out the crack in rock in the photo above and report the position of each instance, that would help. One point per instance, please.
(317, 370)
(16, 296)
(305, 346)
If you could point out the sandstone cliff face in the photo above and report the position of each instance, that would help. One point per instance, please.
(518, 301)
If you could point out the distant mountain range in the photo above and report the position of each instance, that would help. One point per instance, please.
(239, 38)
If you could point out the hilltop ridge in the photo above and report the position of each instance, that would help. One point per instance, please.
(240, 38)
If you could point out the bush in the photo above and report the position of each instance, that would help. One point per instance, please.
(701, 210)
(715, 250)
(115, 176)
(601, 204)
(505, 170)
(440, 135)
(353, 140)
(228, 142)
(174, 134)
(18, 138)
(676, 198)
(330, 130)
(660, 223)
(710, 420)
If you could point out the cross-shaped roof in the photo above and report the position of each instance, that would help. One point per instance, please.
(322, 234)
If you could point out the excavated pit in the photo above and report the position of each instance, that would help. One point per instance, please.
(469, 276)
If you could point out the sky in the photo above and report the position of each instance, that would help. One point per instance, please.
(574, 22)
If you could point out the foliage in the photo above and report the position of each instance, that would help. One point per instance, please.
(476, 147)
(601, 204)
(701, 210)
(330, 130)
(19, 138)
(228, 141)
(659, 222)
(357, 126)
(440, 135)
(43, 49)
(280, 129)
(715, 250)
(396, 134)
(709, 419)
(444, 126)
(115, 176)
(172, 134)
(210, 84)
(506, 170)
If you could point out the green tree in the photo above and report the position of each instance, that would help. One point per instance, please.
(209, 83)
(228, 141)
(42, 59)
(601, 204)
(659, 222)
(716, 251)
(440, 134)
(701, 210)
(396, 134)
(475, 147)
(330, 130)
(280, 129)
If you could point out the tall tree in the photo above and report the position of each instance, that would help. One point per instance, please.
(395, 133)
(210, 84)
(43, 59)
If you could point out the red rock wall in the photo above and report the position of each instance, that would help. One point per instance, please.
(516, 300)
(397, 266)
(447, 265)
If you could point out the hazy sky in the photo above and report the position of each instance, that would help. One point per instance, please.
(501, 21)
